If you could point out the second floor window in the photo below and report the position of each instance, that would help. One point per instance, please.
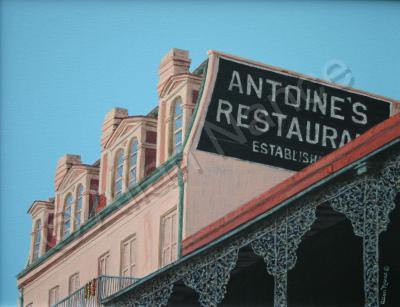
(169, 233)
(78, 208)
(178, 116)
(133, 153)
(67, 215)
(54, 295)
(104, 264)
(36, 240)
(119, 172)
(73, 283)
(128, 257)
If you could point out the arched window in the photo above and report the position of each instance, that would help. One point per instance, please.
(133, 153)
(78, 208)
(67, 215)
(177, 127)
(119, 171)
(36, 239)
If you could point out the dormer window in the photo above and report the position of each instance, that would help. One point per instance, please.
(78, 208)
(67, 215)
(37, 239)
(133, 153)
(119, 171)
(177, 125)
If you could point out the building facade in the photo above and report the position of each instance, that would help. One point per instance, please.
(130, 228)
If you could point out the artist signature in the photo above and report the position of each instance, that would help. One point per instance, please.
(385, 284)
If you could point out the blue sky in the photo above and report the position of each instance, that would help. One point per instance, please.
(64, 64)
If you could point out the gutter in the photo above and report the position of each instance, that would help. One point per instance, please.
(181, 186)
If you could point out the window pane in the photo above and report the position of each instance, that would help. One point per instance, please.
(120, 158)
(178, 123)
(37, 239)
(78, 208)
(67, 214)
(133, 160)
(132, 177)
(134, 147)
(78, 220)
(133, 163)
(178, 137)
(178, 108)
(118, 187)
(119, 171)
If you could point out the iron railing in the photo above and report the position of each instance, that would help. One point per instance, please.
(95, 291)
(109, 285)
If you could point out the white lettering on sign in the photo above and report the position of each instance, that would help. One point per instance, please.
(289, 128)
(314, 101)
(278, 118)
(283, 152)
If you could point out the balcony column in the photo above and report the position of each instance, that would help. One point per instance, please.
(278, 244)
(367, 203)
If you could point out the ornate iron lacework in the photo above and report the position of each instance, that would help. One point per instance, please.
(156, 293)
(210, 279)
(366, 202)
(278, 245)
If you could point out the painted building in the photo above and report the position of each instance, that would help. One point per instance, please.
(179, 195)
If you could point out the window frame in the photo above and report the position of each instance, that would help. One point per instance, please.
(54, 290)
(118, 162)
(79, 201)
(70, 281)
(173, 242)
(131, 267)
(106, 257)
(133, 166)
(64, 233)
(177, 146)
(37, 239)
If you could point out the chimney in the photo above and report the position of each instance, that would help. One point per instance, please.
(63, 165)
(175, 62)
(111, 122)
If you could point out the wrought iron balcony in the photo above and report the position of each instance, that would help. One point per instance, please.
(95, 291)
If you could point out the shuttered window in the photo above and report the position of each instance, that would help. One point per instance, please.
(54, 295)
(128, 257)
(73, 283)
(169, 234)
(104, 263)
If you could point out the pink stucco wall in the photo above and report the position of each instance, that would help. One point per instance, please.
(141, 216)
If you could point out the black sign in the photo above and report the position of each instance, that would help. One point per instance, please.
(274, 118)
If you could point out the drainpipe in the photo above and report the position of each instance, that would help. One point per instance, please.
(181, 184)
(181, 187)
